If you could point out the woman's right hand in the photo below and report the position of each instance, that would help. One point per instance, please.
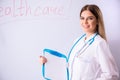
(43, 60)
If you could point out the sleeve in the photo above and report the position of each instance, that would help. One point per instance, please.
(107, 63)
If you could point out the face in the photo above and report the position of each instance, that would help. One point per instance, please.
(88, 22)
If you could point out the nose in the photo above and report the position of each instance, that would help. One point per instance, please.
(85, 21)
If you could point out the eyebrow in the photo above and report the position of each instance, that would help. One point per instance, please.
(88, 16)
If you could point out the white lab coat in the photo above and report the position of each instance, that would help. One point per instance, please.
(95, 63)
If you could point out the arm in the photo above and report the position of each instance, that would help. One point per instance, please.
(107, 63)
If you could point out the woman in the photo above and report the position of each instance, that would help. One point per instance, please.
(91, 58)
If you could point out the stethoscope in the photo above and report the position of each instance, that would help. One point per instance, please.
(58, 54)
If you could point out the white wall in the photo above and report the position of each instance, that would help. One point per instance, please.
(27, 27)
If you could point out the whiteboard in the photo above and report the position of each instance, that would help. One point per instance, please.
(29, 26)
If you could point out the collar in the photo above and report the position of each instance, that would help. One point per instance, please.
(90, 37)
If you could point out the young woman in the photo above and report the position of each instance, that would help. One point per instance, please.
(91, 58)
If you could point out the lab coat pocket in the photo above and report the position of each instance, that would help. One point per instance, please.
(88, 67)
(85, 59)
(83, 63)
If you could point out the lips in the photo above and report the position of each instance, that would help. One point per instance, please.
(86, 26)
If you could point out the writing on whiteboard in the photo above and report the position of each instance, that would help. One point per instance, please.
(18, 8)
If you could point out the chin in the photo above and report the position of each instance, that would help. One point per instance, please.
(86, 31)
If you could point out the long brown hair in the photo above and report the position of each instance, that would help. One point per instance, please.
(94, 9)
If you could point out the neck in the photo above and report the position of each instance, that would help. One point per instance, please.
(88, 35)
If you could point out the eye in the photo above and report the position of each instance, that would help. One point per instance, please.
(90, 18)
(81, 18)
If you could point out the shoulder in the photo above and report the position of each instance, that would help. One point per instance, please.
(99, 40)
(101, 44)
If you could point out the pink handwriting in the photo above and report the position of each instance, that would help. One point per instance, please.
(25, 9)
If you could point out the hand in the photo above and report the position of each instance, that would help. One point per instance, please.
(43, 60)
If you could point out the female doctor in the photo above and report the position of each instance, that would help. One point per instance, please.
(91, 58)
